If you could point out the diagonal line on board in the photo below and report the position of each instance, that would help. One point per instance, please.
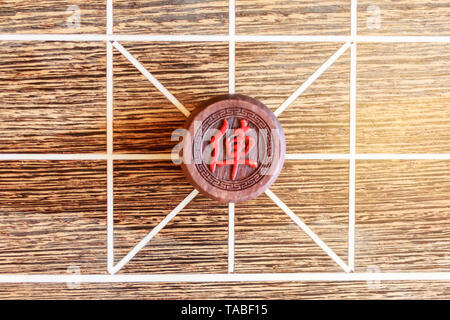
(158, 85)
(307, 230)
(311, 79)
(154, 231)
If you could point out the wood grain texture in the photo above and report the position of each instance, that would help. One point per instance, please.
(143, 117)
(194, 241)
(403, 98)
(267, 240)
(403, 215)
(233, 290)
(171, 17)
(310, 17)
(418, 17)
(56, 16)
(53, 216)
(317, 121)
(52, 97)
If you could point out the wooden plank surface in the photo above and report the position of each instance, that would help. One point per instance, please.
(52, 97)
(144, 118)
(403, 97)
(267, 240)
(233, 290)
(171, 17)
(403, 17)
(53, 100)
(56, 16)
(403, 216)
(310, 17)
(194, 241)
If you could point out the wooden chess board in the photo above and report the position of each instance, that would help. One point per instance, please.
(92, 206)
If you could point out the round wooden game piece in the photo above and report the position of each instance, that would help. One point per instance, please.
(233, 148)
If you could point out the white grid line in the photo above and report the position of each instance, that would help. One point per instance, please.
(316, 156)
(353, 19)
(231, 38)
(218, 38)
(368, 156)
(291, 38)
(83, 156)
(144, 156)
(52, 156)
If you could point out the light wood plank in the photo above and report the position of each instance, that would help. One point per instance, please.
(403, 97)
(317, 121)
(402, 216)
(402, 17)
(171, 17)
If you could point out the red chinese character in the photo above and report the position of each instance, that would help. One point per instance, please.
(237, 147)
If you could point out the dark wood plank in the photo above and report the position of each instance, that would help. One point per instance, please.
(310, 17)
(56, 16)
(53, 217)
(317, 121)
(232, 290)
(267, 240)
(402, 17)
(194, 241)
(171, 17)
(402, 219)
(52, 97)
(403, 97)
(144, 118)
